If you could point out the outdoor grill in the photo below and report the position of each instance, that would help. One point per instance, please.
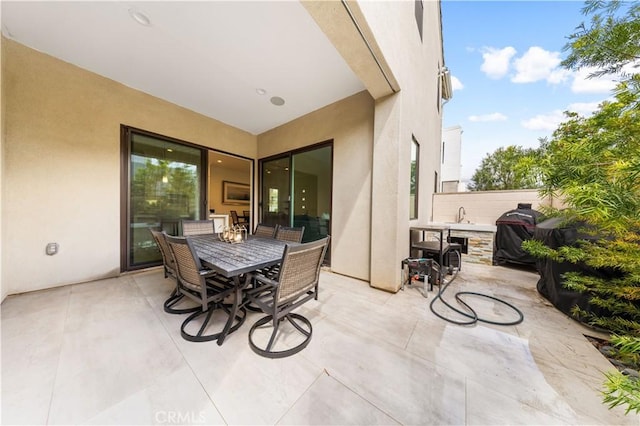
(555, 233)
(512, 228)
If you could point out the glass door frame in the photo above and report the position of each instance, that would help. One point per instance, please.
(126, 133)
(289, 155)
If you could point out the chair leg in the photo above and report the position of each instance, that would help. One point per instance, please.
(237, 301)
(236, 319)
(295, 320)
(276, 324)
(175, 298)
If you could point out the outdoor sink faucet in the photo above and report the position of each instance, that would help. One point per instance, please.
(461, 214)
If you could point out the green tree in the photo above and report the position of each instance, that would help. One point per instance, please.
(594, 163)
(511, 167)
(164, 188)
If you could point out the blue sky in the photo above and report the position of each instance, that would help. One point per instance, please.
(509, 87)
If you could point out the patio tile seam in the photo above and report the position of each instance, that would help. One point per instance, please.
(158, 314)
(64, 330)
(127, 280)
(390, 415)
(413, 331)
(341, 382)
(293, 404)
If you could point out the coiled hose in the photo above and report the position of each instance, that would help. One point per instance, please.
(471, 313)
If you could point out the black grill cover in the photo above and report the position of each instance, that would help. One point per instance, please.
(514, 227)
(550, 285)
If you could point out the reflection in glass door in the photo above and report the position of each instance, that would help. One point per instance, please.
(296, 191)
(311, 192)
(165, 182)
(275, 191)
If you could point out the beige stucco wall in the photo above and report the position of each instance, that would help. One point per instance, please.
(61, 173)
(350, 124)
(414, 110)
(3, 288)
(485, 207)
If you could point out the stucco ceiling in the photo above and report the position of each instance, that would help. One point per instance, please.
(210, 56)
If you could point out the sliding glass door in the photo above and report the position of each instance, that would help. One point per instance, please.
(311, 191)
(275, 201)
(296, 190)
(164, 184)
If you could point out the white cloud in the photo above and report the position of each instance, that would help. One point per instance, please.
(632, 67)
(583, 84)
(456, 84)
(559, 75)
(496, 116)
(539, 64)
(583, 108)
(548, 121)
(496, 61)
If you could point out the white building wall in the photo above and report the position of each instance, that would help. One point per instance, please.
(450, 159)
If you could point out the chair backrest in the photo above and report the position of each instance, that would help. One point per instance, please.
(234, 217)
(294, 235)
(197, 227)
(246, 213)
(300, 270)
(265, 231)
(188, 264)
(167, 256)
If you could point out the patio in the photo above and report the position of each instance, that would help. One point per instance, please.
(105, 353)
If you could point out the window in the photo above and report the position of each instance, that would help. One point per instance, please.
(442, 152)
(413, 185)
(419, 9)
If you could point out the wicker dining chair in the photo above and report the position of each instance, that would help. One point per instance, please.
(297, 283)
(197, 227)
(235, 219)
(205, 288)
(169, 263)
(290, 234)
(265, 231)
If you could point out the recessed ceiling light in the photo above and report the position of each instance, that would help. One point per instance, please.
(261, 92)
(169, 150)
(219, 161)
(140, 17)
(277, 101)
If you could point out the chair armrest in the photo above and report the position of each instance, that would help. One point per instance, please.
(207, 273)
(266, 280)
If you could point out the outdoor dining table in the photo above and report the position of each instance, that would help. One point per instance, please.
(237, 261)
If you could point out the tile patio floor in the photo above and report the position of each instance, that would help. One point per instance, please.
(106, 353)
